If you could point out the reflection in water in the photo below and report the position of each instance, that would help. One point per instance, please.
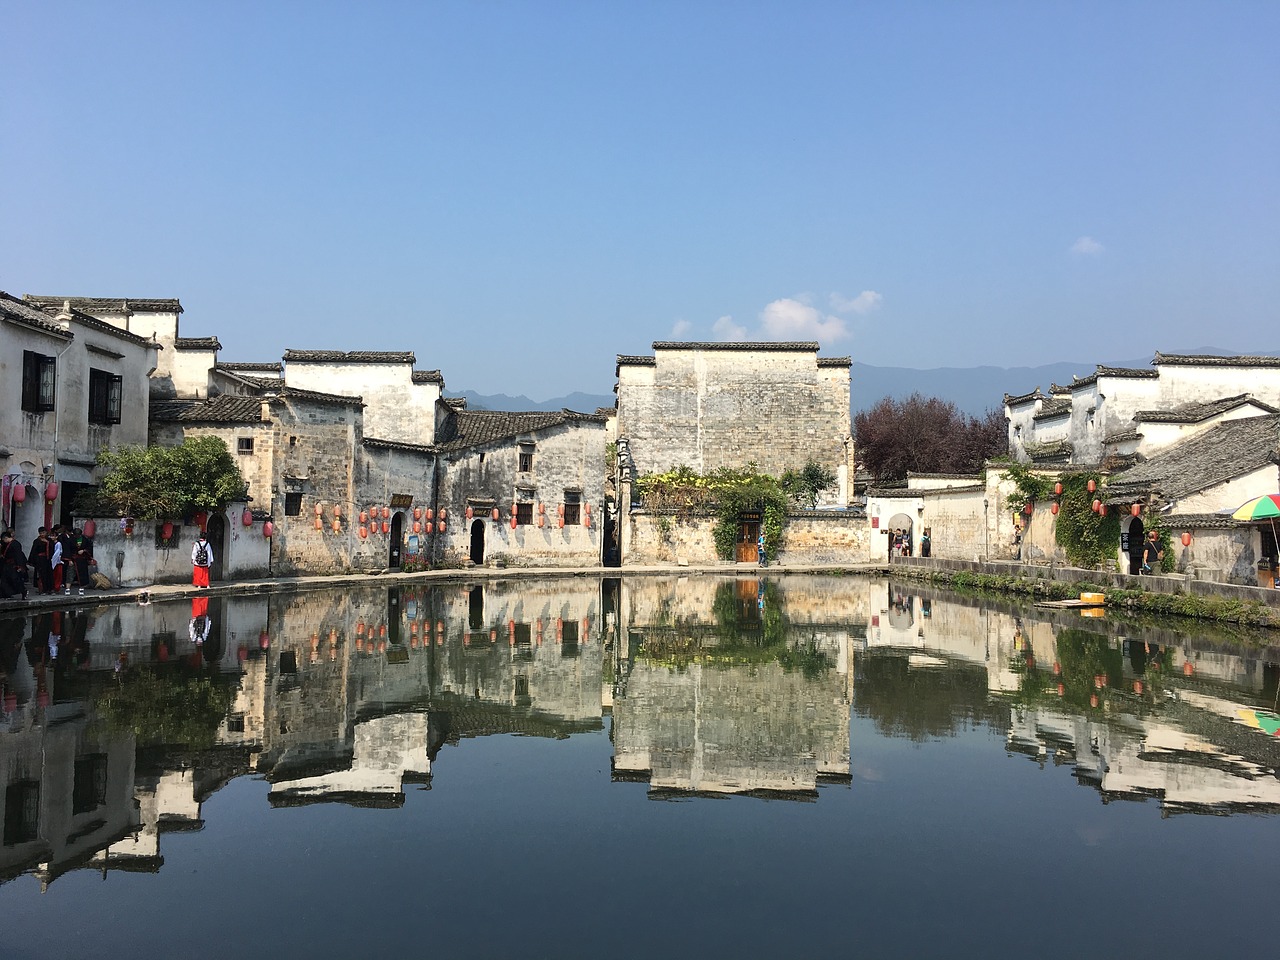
(118, 723)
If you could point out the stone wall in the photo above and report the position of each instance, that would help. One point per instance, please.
(817, 536)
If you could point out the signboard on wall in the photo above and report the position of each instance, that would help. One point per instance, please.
(399, 501)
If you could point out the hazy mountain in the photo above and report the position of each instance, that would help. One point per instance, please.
(973, 389)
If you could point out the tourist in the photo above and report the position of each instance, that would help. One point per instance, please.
(926, 546)
(761, 555)
(82, 558)
(40, 556)
(201, 560)
(1152, 552)
(13, 567)
(67, 539)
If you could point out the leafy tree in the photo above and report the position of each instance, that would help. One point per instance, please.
(926, 435)
(156, 483)
(805, 485)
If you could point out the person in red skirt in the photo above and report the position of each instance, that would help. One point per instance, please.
(201, 560)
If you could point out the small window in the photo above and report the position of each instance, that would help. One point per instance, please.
(526, 457)
(244, 445)
(572, 509)
(292, 504)
(21, 812)
(104, 397)
(524, 513)
(89, 786)
(37, 382)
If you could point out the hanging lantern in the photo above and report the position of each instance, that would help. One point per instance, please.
(1028, 509)
(19, 492)
(1102, 510)
(417, 527)
(1091, 486)
(417, 513)
(560, 510)
(319, 522)
(1057, 489)
(541, 521)
(337, 525)
(586, 519)
(318, 509)
(268, 528)
(166, 530)
(514, 522)
(1054, 509)
(201, 518)
(495, 513)
(247, 517)
(128, 527)
(51, 491)
(586, 506)
(430, 514)
(428, 526)
(90, 528)
(542, 508)
(1135, 509)
(1186, 538)
(513, 509)
(337, 510)
(1097, 506)
(443, 513)
(470, 513)
(561, 522)
(386, 513)
(364, 517)
(386, 527)
(442, 526)
(364, 532)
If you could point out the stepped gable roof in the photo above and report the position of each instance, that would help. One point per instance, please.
(457, 403)
(427, 376)
(1196, 412)
(1124, 437)
(224, 409)
(1054, 407)
(471, 428)
(1128, 373)
(835, 361)
(19, 311)
(1050, 451)
(352, 356)
(1017, 400)
(1057, 389)
(808, 346)
(196, 343)
(315, 396)
(379, 444)
(97, 305)
(276, 368)
(1221, 453)
(37, 305)
(1209, 360)
(626, 361)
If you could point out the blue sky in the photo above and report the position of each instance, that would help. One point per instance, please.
(518, 192)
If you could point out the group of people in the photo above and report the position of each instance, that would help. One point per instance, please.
(57, 558)
(900, 543)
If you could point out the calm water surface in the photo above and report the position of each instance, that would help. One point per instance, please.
(710, 766)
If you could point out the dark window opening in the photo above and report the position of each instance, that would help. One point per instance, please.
(89, 788)
(292, 504)
(524, 513)
(37, 382)
(526, 457)
(244, 445)
(235, 723)
(569, 638)
(21, 812)
(104, 397)
(572, 509)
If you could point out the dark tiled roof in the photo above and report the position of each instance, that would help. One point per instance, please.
(271, 384)
(315, 396)
(1196, 412)
(97, 305)
(472, 428)
(196, 343)
(1057, 388)
(1221, 453)
(428, 376)
(18, 311)
(810, 346)
(223, 409)
(637, 361)
(1122, 437)
(1053, 408)
(251, 367)
(1200, 521)
(835, 361)
(1207, 360)
(943, 491)
(353, 356)
(1053, 450)
(457, 403)
(377, 444)
(1130, 373)
(1018, 400)
(973, 477)
(86, 320)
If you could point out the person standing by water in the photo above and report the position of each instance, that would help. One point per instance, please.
(761, 555)
(40, 556)
(926, 545)
(201, 560)
(1152, 553)
(13, 567)
(66, 537)
(82, 557)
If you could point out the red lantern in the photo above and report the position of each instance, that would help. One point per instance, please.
(201, 518)
(561, 522)
(1091, 486)
(1057, 489)
(264, 640)
(337, 510)
(1186, 538)
(51, 491)
(317, 509)
(247, 517)
(1097, 506)
(586, 519)
(560, 511)
(541, 521)
(428, 526)
(268, 529)
(319, 523)
(166, 530)
(542, 508)
(495, 513)
(470, 513)
(1135, 509)
(417, 513)
(514, 522)
(1102, 510)
(364, 517)
(417, 527)
(513, 509)
(1054, 509)
(443, 513)
(386, 527)
(337, 525)
(19, 493)
(364, 532)
(442, 526)
(430, 514)
(90, 528)
(587, 506)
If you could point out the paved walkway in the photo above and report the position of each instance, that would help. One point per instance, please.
(179, 591)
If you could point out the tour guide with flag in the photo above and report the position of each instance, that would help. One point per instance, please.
(201, 560)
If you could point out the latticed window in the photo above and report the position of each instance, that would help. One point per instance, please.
(38, 381)
(104, 396)
(572, 509)
(524, 513)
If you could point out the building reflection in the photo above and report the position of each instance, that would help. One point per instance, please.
(117, 723)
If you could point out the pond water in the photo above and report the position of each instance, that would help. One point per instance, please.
(707, 766)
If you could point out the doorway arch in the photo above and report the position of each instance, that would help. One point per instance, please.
(396, 541)
(901, 522)
(216, 528)
(477, 542)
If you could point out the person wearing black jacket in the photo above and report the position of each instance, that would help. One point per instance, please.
(40, 557)
(13, 567)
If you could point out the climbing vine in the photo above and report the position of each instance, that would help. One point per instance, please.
(1087, 538)
(725, 492)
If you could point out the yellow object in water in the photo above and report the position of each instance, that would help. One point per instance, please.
(1093, 612)
(1098, 598)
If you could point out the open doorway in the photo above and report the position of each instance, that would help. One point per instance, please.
(477, 542)
(396, 541)
(901, 536)
(216, 528)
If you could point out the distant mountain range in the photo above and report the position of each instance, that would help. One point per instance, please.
(974, 390)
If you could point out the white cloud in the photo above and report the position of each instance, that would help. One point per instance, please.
(725, 329)
(864, 302)
(680, 328)
(789, 319)
(1087, 247)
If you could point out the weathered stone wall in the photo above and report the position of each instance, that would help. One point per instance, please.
(396, 408)
(707, 408)
(817, 536)
(825, 537)
(245, 554)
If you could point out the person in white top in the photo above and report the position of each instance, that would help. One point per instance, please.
(201, 560)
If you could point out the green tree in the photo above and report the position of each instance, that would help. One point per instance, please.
(156, 483)
(805, 485)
